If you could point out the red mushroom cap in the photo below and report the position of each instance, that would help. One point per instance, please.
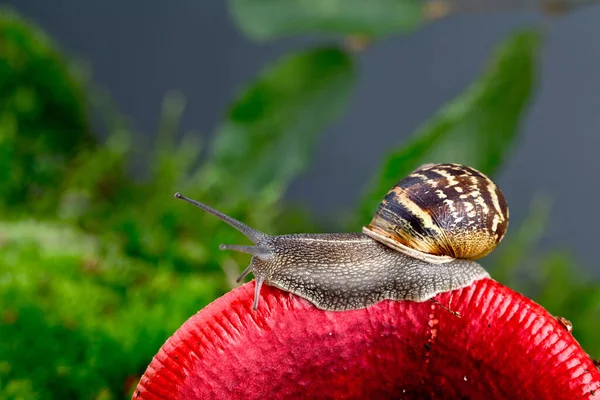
(502, 346)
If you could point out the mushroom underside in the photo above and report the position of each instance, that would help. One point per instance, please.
(503, 345)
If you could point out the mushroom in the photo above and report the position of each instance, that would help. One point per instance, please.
(494, 344)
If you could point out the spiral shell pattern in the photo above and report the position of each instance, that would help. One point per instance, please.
(443, 210)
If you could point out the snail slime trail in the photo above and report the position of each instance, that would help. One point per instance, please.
(423, 240)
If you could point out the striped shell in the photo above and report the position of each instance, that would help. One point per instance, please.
(441, 212)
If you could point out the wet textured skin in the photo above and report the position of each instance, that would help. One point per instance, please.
(345, 271)
(503, 346)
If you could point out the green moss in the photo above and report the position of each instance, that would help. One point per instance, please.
(75, 322)
(43, 122)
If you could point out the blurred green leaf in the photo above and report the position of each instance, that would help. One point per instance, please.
(515, 256)
(478, 128)
(43, 122)
(101, 197)
(269, 19)
(564, 290)
(269, 136)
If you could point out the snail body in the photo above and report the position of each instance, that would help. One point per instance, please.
(346, 271)
(422, 241)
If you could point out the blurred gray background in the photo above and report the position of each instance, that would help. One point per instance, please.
(140, 52)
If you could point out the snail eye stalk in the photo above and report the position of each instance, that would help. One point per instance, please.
(254, 235)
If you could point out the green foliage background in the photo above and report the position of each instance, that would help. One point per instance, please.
(97, 269)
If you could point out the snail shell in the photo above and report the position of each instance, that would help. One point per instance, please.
(441, 212)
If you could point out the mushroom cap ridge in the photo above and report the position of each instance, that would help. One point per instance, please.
(503, 346)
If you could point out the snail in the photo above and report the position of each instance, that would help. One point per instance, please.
(423, 240)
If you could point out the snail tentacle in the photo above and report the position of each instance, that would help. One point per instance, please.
(254, 235)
